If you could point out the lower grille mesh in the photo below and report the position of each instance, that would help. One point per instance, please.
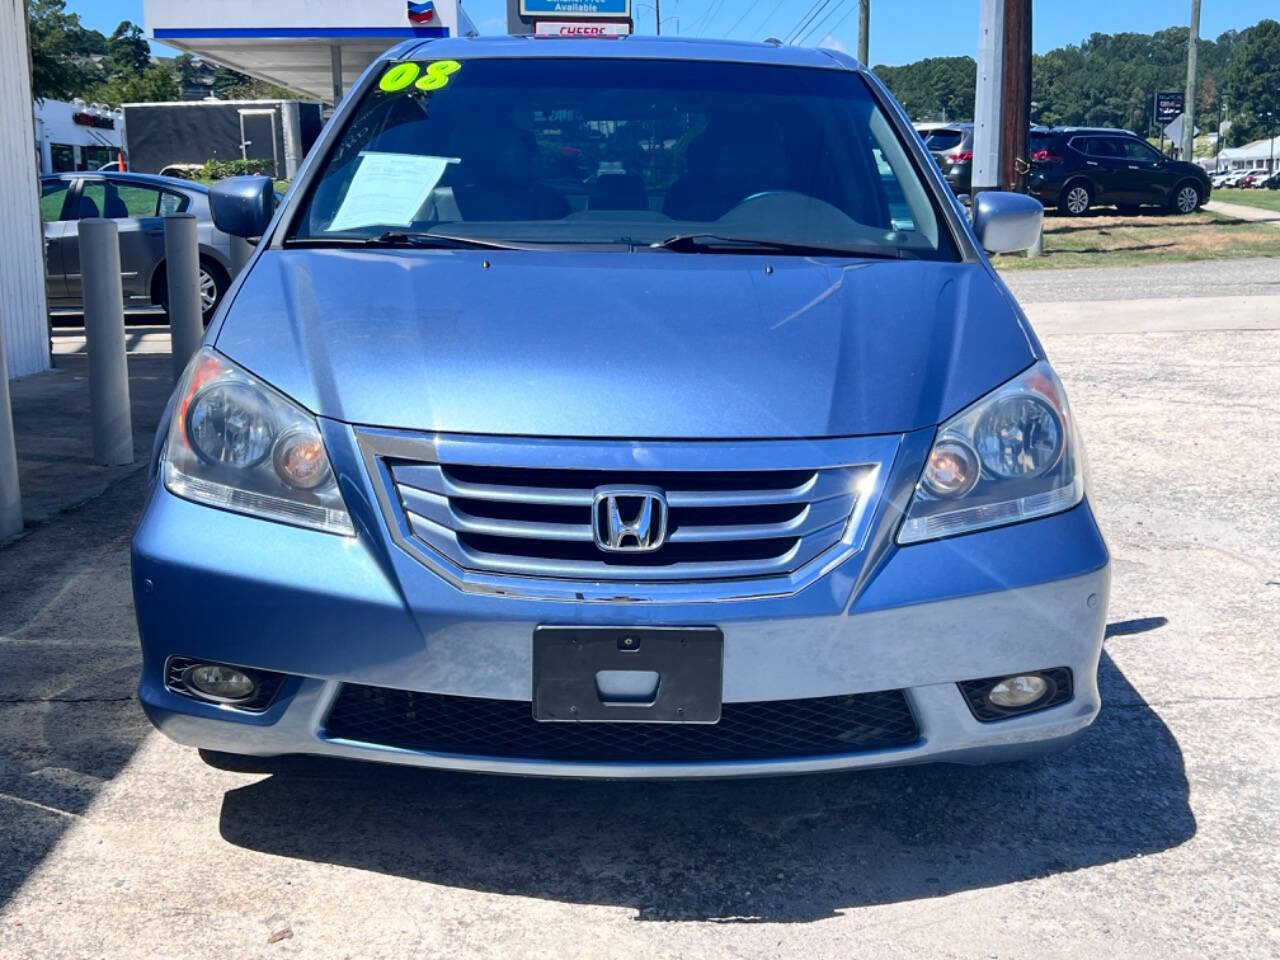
(506, 728)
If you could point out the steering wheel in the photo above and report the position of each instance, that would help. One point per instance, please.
(773, 193)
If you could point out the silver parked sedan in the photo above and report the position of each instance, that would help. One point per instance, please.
(138, 203)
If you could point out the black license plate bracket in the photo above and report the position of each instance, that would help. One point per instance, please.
(574, 668)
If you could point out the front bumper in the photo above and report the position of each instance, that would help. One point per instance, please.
(328, 610)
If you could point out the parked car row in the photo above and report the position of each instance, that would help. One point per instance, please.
(1257, 178)
(1076, 169)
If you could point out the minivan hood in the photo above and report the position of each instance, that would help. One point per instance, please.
(624, 345)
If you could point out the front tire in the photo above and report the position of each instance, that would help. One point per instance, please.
(1076, 199)
(213, 284)
(213, 287)
(1186, 199)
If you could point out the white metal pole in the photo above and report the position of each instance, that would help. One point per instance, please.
(1189, 107)
(10, 495)
(104, 335)
(990, 92)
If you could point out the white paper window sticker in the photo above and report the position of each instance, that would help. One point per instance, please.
(389, 189)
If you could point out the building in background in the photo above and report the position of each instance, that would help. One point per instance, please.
(77, 135)
(1260, 154)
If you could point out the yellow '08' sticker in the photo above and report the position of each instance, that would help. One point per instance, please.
(438, 74)
(405, 75)
(399, 77)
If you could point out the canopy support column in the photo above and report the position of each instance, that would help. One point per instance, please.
(335, 60)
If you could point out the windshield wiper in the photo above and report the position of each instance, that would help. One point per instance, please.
(714, 243)
(399, 238)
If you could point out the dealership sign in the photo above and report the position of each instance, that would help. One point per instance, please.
(570, 28)
(612, 9)
(83, 119)
(1169, 106)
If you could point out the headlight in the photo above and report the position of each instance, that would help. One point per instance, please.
(237, 444)
(1011, 456)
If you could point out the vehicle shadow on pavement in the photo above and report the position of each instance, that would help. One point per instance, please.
(69, 720)
(779, 850)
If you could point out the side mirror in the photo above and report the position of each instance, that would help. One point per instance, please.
(1007, 222)
(243, 206)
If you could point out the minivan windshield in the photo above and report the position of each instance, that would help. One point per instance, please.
(601, 153)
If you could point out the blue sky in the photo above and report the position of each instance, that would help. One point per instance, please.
(901, 30)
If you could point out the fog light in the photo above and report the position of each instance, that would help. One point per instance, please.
(218, 683)
(1014, 693)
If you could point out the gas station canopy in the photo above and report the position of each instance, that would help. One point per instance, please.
(316, 47)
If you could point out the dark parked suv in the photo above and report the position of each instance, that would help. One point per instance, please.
(1076, 169)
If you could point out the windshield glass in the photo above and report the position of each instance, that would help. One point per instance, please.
(623, 152)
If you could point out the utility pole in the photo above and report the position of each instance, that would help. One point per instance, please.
(1189, 108)
(1015, 110)
(864, 32)
(657, 17)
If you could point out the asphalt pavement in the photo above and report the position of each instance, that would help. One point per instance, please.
(1155, 836)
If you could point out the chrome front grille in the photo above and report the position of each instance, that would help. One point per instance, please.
(501, 509)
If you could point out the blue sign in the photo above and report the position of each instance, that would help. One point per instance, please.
(614, 9)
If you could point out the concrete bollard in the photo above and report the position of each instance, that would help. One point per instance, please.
(241, 251)
(10, 496)
(1038, 249)
(182, 264)
(104, 335)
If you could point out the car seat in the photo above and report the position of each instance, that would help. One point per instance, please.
(114, 206)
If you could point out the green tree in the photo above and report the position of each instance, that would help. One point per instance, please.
(935, 88)
(158, 82)
(128, 52)
(1255, 84)
(185, 64)
(230, 84)
(61, 51)
(1106, 80)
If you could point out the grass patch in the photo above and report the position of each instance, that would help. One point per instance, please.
(1263, 199)
(1104, 240)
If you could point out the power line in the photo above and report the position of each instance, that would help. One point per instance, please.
(804, 18)
(836, 26)
(712, 9)
(770, 15)
(816, 9)
(786, 35)
(819, 25)
(738, 23)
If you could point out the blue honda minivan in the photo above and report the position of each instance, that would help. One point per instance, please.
(620, 408)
